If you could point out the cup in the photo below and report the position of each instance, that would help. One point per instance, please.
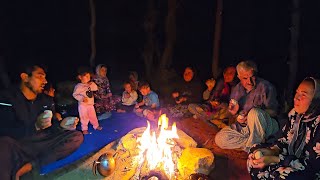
(47, 114)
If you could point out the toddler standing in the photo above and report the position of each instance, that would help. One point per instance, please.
(83, 93)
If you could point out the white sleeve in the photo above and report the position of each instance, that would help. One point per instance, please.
(77, 93)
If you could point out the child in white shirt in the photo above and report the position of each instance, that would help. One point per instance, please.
(129, 98)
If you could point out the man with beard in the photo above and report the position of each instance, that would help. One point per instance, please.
(29, 136)
(254, 105)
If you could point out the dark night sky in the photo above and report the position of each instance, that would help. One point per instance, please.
(57, 32)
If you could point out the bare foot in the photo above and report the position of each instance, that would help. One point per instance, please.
(99, 128)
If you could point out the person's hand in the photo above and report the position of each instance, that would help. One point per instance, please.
(85, 100)
(267, 151)
(109, 94)
(214, 103)
(242, 117)
(265, 161)
(50, 92)
(44, 120)
(139, 110)
(181, 100)
(175, 95)
(136, 106)
(210, 83)
(58, 116)
(233, 107)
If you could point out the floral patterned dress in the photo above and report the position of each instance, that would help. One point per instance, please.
(102, 102)
(299, 151)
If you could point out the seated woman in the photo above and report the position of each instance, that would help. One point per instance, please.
(296, 153)
(186, 92)
(105, 101)
(216, 97)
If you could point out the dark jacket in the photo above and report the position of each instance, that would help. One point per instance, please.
(18, 120)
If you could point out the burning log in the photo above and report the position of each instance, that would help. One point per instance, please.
(155, 173)
(164, 153)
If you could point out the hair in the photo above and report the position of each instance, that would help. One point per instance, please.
(134, 74)
(83, 70)
(29, 67)
(229, 67)
(127, 82)
(144, 84)
(247, 66)
(192, 68)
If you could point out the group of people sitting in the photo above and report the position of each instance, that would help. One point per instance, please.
(251, 110)
(246, 112)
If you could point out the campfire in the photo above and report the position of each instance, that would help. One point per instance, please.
(162, 153)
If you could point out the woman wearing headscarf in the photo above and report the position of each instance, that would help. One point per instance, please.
(296, 153)
(105, 100)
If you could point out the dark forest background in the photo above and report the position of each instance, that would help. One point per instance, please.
(57, 34)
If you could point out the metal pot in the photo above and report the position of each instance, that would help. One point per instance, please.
(105, 165)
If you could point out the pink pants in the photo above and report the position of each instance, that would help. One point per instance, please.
(87, 113)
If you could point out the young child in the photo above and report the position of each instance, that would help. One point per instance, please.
(69, 123)
(149, 106)
(83, 94)
(129, 98)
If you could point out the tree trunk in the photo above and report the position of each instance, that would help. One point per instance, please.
(150, 49)
(157, 64)
(293, 56)
(93, 33)
(217, 38)
(170, 31)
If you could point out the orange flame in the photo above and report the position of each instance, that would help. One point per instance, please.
(157, 150)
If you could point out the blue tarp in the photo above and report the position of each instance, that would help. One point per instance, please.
(114, 128)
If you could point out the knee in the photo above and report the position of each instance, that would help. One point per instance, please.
(76, 138)
(6, 140)
(254, 114)
(7, 144)
(219, 140)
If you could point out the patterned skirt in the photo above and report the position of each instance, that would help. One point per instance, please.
(107, 104)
